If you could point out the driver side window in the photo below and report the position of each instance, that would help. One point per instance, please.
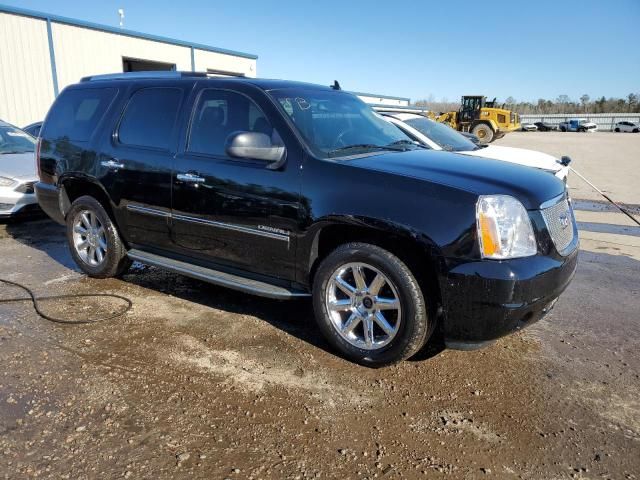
(219, 113)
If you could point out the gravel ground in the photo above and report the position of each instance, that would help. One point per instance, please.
(201, 382)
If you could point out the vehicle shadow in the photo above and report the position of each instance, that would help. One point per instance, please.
(294, 317)
(41, 233)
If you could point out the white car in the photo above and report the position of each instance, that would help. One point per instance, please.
(626, 127)
(438, 136)
(528, 127)
(17, 171)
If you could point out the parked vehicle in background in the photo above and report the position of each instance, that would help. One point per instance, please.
(528, 127)
(441, 137)
(33, 129)
(274, 188)
(17, 171)
(577, 125)
(545, 127)
(626, 127)
(482, 118)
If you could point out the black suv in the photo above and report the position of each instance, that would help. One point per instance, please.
(285, 189)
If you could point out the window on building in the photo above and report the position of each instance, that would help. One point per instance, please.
(149, 118)
(76, 113)
(220, 113)
(141, 65)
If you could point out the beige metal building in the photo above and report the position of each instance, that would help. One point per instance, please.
(40, 54)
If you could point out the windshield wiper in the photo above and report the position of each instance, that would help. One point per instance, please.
(406, 142)
(365, 146)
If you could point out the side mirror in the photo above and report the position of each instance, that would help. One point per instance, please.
(255, 146)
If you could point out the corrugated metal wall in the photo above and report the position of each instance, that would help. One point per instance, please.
(605, 121)
(26, 87)
(26, 81)
(81, 52)
(205, 60)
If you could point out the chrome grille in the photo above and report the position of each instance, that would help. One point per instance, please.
(559, 220)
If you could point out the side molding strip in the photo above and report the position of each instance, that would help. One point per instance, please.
(227, 226)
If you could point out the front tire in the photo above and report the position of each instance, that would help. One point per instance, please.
(617, 130)
(369, 305)
(483, 132)
(94, 240)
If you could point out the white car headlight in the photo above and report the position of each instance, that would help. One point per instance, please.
(504, 228)
(6, 182)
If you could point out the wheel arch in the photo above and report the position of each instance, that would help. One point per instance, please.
(416, 250)
(73, 187)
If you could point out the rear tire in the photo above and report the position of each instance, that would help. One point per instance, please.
(353, 326)
(617, 130)
(94, 240)
(483, 132)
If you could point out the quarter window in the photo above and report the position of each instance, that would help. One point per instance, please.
(149, 118)
(76, 113)
(220, 113)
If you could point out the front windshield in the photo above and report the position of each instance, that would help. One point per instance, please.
(446, 137)
(13, 140)
(338, 124)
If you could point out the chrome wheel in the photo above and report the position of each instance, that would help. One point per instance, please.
(89, 238)
(364, 306)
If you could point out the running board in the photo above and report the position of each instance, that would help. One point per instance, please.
(224, 279)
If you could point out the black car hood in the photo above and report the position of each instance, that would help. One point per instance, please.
(481, 176)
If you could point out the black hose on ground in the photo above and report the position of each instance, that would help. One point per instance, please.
(35, 299)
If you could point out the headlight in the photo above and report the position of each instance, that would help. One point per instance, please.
(6, 182)
(504, 228)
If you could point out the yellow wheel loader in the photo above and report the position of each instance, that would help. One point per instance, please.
(482, 118)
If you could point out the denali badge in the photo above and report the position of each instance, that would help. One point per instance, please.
(273, 230)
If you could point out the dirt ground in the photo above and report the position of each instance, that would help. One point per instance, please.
(198, 381)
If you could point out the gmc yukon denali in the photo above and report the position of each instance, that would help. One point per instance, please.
(285, 190)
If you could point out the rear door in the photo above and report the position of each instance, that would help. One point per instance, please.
(235, 212)
(135, 165)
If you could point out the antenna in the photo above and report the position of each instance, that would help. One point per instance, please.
(121, 15)
(336, 85)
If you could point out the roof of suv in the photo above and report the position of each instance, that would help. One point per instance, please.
(263, 83)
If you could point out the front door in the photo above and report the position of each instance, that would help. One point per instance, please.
(230, 211)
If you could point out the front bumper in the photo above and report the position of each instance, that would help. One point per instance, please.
(485, 300)
(13, 203)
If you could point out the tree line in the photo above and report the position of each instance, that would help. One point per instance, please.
(562, 104)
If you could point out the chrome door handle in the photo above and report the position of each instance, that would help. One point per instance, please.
(190, 178)
(112, 164)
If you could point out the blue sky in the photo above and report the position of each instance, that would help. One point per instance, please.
(524, 49)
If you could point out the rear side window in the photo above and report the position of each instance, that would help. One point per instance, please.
(149, 118)
(76, 113)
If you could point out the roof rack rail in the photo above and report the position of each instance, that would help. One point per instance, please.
(148, 74)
